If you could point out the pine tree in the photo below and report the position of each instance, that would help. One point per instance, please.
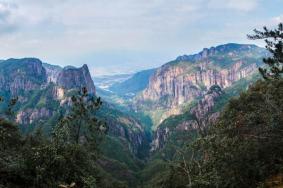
(274, 44)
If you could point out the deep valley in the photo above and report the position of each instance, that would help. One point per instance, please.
(148, 114)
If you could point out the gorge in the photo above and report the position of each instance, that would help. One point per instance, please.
(146, 113)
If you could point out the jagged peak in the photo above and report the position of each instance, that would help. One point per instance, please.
(75, 78)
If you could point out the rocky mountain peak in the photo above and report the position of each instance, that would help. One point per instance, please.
(178, 83)
(71, 77)
(31, 66)
(22, 75)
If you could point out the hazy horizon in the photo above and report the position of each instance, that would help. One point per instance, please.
(129, 72)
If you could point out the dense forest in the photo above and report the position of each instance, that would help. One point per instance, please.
(242, 148)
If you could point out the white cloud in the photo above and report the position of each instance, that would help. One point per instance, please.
(71, 27)
(240, 5)
(63, 31)
(7, 21)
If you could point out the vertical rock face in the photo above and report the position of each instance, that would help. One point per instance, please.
(70, 78)
(130, 130)
(189, 77)
(43, 88)
(202, 111)
(28, 74)
(52, 72)
(18, 75)
(160, 138)
(28, 116)
(183, 86)
(39, 86)
(198, 117)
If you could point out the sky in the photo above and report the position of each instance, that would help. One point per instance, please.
(123, 36)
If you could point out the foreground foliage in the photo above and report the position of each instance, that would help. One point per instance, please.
(67, 158)
(243, 149)
(274, 44)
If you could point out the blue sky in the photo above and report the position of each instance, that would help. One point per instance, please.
(119, 36)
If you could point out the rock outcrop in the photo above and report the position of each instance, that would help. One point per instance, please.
(70, 78)
(196, 119)
(181, 86)
(22, 75)
(30, 115)
(40, 86)
(135, 134)
(43, 90)
(180, 82)
(52, 72)
(160, 138)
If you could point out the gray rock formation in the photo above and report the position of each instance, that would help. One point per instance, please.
(70, 78)
(22, 75)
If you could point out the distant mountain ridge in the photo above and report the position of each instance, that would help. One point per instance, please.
(106, 81)
(133, 85)
(167, 90)
(225, 48)
(185, 93)
(178, 83)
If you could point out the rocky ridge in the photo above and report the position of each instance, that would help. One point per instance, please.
(180, 82)
(23, 75)
(42, 89)
(70, 78)
(196, 119)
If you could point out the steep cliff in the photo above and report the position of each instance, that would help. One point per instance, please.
(133, 85)
(127, 128)
(52, 72)
(39, 87)
(200, 114)
(44, 91)
(70, 78)
(173, 136)
(196, 119)
(22, 75)
(178, 83)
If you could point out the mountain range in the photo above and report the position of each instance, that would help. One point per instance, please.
(147, 112)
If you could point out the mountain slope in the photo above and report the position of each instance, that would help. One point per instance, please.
(70, 78)
(52, 72)
(133, 85)
(21, 75)
(178, 83)
(180, 97)
(176, 132)
(44, 93)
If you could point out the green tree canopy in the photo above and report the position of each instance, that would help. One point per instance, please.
(274, 44)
